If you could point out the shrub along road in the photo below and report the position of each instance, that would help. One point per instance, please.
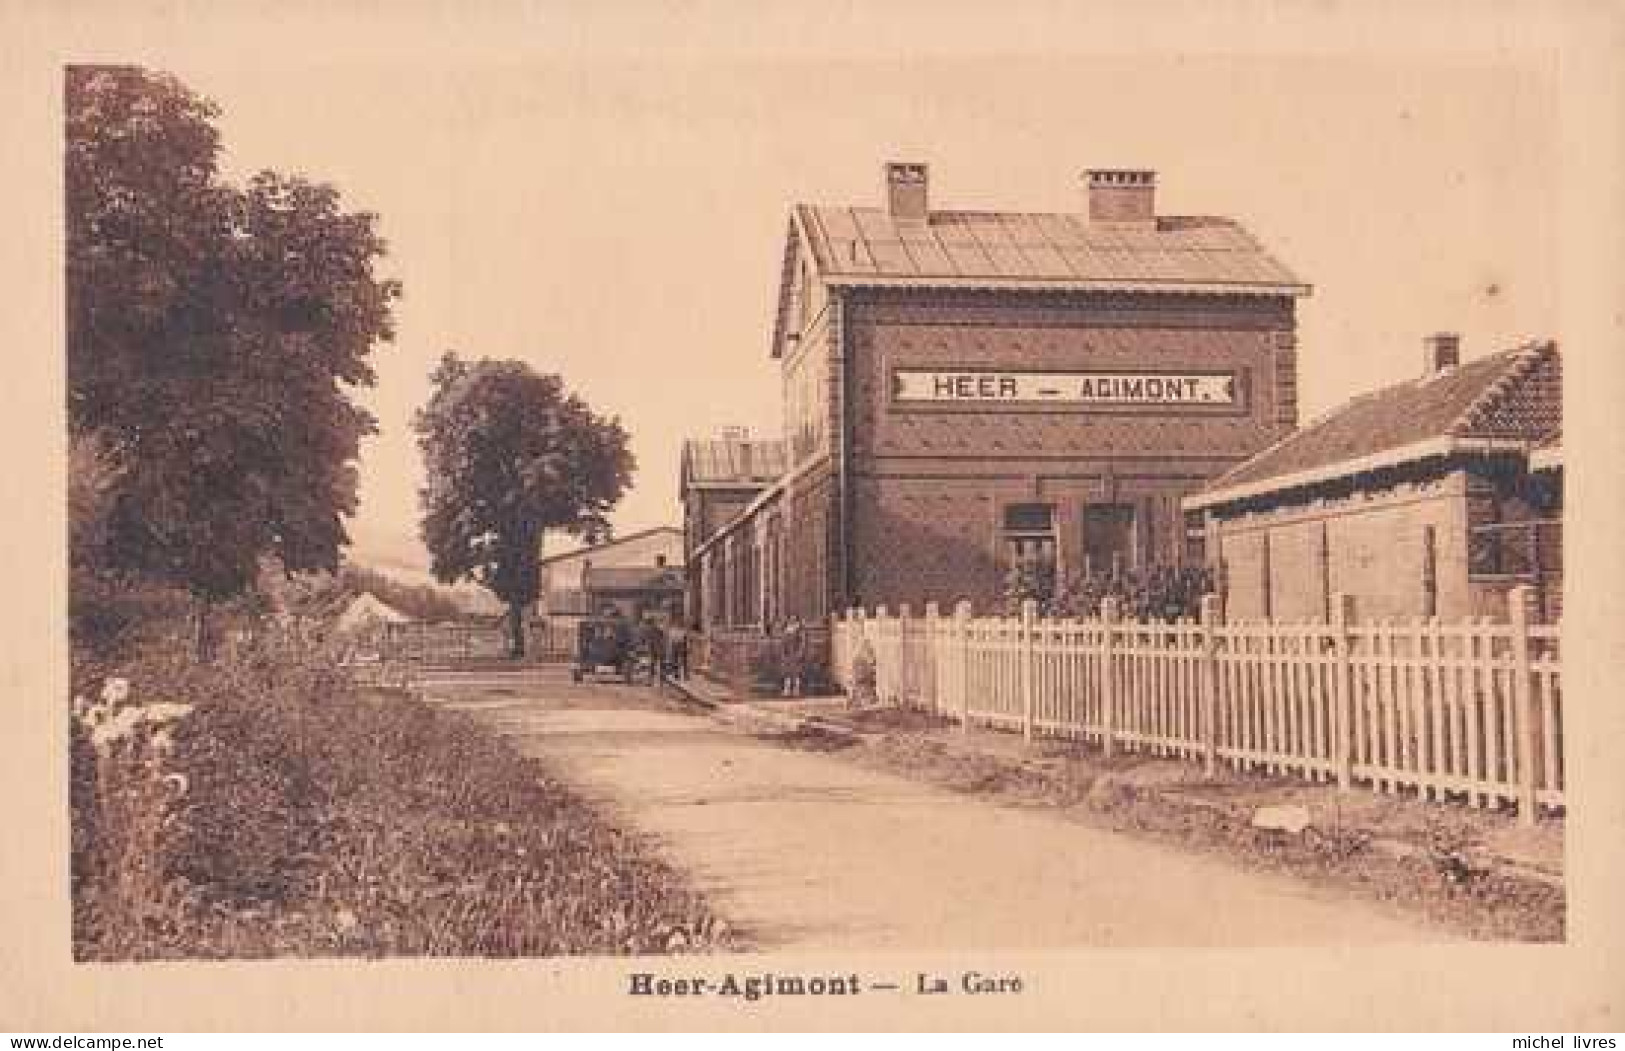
(805, 851)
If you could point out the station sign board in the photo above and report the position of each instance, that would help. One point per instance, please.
(1079, 389)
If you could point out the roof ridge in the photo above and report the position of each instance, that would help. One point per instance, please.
(1522, 361)
(859, 245)
(1001, 213)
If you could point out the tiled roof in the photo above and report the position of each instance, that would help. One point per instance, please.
(1511, 398)
(1016, 249)
(1548, 454)
(732, 461)
(631, 578)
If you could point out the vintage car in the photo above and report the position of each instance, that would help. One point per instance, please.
(605, 645)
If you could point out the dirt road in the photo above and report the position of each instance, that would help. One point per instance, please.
(808, 851)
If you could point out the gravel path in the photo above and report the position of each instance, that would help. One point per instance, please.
(806, 851)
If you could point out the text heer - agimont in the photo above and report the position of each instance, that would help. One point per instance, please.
(753, 987)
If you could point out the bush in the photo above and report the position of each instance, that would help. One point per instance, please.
(1165, 593)
(111, 617)
(259, 744)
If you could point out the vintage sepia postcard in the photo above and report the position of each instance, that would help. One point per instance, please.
(723, 516)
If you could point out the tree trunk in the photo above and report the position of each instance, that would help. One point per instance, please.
(516, 630)
(203, 644)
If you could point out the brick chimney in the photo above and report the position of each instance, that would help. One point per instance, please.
(1441, 351)
(1122, 196)
(906, 199)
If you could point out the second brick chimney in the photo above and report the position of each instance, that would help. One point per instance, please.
(1122, 196)
(906, 197)
(1441, 351)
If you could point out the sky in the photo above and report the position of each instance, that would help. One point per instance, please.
(618, 216)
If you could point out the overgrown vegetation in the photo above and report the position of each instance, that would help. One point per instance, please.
(1158, 592)
(290, 813)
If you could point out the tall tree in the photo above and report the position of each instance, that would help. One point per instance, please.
(215, 335)
(508, 455)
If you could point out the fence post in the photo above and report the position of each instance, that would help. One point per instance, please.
(860, 635)
(905, 661)
(929, 691)
(1522, 701)
(1211, 619)
(962, 615)
(1108, 678)
(886, 681)
(1343, 693)
(1029, 613)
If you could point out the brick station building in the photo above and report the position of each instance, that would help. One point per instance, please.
(967, 390)
(718, 479)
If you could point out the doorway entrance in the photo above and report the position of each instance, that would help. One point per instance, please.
(1108, 538)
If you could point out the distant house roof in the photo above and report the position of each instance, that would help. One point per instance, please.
(588, 552)
(601, 580)
(731, 462)
(1507, 401)
(863, 246)
(367, 609)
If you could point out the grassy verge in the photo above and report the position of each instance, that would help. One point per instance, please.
(291, 813)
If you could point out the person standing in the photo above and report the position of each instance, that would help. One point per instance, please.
(793, 657)
(677, 650)
(653, 642)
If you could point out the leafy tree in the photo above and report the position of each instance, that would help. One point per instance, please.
(510, 454)
(214, 335)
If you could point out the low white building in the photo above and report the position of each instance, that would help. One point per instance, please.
(563, 590)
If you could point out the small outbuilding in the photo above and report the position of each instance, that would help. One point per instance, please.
(1429, 498)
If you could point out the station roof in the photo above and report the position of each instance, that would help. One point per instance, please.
(731, 462)
(867, 246)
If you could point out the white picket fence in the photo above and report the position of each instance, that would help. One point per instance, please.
(1469, 711)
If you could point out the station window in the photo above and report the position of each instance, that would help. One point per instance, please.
(1029, 542)
(1195, 553)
